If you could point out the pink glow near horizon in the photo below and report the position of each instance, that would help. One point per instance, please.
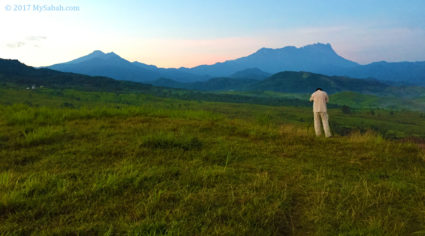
(175, 53)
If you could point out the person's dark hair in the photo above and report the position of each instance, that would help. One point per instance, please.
(319, 89)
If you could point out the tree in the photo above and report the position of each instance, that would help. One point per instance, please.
(346, 109)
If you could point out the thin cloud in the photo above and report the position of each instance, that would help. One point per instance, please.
(35, 38)
(16, 45)
(33, 41)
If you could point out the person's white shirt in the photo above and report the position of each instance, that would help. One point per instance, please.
(319, 99)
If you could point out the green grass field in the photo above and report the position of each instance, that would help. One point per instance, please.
(74, 162)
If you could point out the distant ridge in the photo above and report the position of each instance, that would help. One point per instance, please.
(250, 73)
(111, 65)
(401, 72)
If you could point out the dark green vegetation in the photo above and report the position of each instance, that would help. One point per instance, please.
(100, 162)
(215, 84)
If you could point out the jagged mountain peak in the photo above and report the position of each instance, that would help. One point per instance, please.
(269, 51)
(112, 54)
(317, 46)
(94, 54)
(101, 53)
(320, 48)
(97, 54)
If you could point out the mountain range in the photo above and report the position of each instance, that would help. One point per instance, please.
(256, 91)
(316, 58)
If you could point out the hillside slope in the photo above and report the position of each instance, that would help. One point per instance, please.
(14, 72)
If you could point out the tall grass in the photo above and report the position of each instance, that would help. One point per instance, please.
(215, 169)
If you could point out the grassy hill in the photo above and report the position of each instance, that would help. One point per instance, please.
(126, 163)
(214, 84)
(363, 101)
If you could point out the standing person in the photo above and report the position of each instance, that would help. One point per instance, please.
(319, 99)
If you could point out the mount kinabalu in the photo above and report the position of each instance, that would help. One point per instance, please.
(316, 58)
(319, 58)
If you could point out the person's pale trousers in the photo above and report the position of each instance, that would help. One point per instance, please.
(317, 127)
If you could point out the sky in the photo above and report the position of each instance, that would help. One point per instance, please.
(176, 33)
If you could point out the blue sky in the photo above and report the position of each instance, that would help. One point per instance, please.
(188, 33)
